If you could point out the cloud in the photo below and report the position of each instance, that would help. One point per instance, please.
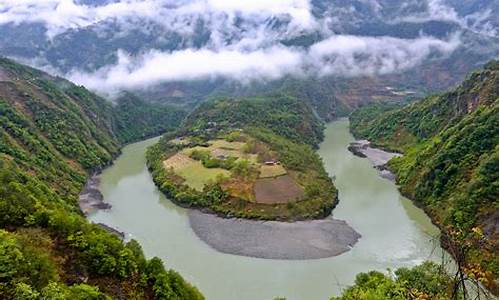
(60, 15)
(354, 55)
(438, 10)
(342, 55)
(155, 67)
(244, 38)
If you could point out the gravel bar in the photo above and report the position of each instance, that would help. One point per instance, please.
(274, 240)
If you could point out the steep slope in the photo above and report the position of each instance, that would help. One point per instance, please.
(450, 166)
(52, 135)
(136, 119)
(284, 115)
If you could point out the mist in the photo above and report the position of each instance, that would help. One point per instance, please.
(245, 41)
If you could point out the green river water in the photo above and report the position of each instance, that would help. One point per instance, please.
(394, 232)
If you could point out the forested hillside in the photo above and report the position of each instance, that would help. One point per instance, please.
(247, 157)
(52, 135)
(450, 163)
(136, 119)
(284, 115)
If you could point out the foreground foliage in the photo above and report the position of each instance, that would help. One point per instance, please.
(450, 166)
(426, 281)
(52, 135)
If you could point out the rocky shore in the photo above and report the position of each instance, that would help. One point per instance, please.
(274, 240)
(378, 157)
(91, 198)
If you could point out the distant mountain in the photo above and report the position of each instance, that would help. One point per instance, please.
(92, 39)
(450, 163)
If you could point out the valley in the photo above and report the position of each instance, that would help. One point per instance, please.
(250, 150)
(367, 201)
(214, 186)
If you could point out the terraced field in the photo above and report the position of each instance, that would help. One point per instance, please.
(265, 182)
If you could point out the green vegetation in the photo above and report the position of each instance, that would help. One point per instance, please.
(283, 115)
(136, 119)
(197, 175)
(240, 135)
(52, 135)
(426, 281)
(450, 166)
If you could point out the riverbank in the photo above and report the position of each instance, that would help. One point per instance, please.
(378, 157)
(369, 204)
(274, 240)
(91, 198)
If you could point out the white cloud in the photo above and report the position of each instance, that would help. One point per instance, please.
(338, 55)
(354, 55)
(243, 43)
(60, 15)
(438, 10)
(155, 67)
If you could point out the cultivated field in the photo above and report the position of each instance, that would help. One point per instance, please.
(224, 148)
(271, 171)
(196, 175)
(193, 171)
(178, 161)
(282, 189)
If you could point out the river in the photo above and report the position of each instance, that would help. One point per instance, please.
(394, 232)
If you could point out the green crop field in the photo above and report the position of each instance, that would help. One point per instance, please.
(196, 175)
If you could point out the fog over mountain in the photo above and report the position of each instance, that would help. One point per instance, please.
(130, 44)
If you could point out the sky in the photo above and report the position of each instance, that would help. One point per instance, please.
(243, 45)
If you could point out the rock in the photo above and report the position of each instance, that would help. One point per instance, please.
(91, 198)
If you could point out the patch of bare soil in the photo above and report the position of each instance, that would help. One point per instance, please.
(282, 189)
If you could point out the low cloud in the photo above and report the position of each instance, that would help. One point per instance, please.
(155, 67)
(437, 10)
(61, 15)
(354, 55)
(244, 39)
(342, 55)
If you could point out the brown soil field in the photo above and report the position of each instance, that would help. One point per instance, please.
(178, 161)
(277, 190)
(239, 188)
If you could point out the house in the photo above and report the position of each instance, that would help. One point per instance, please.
(271, 162)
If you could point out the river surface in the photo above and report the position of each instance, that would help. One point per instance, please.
(394, 232)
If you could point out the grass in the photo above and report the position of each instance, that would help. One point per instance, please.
(178, 161)
(271, 171)
(196, 175)
(224, 148)
(193, 171)
(223, 144)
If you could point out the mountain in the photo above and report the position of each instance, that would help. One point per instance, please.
(284, 115)
(450, 163)
(136, 119)
(452, 38)
(53, 134)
